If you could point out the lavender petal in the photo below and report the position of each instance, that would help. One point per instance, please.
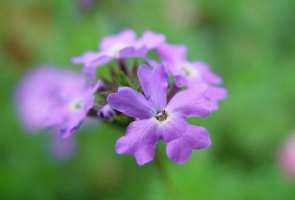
(125, 37)
(131, 103)
(154, 84)
(191, 102)
(195, 137)
(140, 140)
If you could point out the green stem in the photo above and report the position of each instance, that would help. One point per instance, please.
(172, 190)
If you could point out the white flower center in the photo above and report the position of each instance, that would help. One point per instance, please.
(77, 104)
(189, 70)
(115, 49)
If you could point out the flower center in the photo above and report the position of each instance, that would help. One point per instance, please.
(189, 70)
(116, 48)
(77, 104)
(186, 71)
(161, 116)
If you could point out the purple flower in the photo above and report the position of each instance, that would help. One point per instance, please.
(106, 112)
(188, 73)
(158, 120)
(118, 46)
(53, 97)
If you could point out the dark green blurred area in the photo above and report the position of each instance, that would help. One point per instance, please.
(251, 44)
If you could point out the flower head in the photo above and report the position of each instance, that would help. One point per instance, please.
(53, 97)
(188, 73)
(159, 120)
(122, 45)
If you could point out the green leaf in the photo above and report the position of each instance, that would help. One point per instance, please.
(123, 119)
(124, 80)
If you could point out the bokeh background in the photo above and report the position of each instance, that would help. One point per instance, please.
(251, 44)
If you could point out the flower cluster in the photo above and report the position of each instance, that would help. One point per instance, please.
(152, 98)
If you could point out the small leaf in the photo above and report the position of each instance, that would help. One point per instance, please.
(109, 85)
(123, 119)
(123, 66)
(114, 75)
(124, 80)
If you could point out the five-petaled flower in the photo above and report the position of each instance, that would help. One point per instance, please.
(53, 97)
(159, 120)
(188, 73)
(122, 45)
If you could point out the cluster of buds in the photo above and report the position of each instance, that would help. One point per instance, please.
(152, 98)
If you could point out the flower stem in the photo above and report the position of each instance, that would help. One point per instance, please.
(172, 190)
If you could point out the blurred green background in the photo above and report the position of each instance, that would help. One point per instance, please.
(251, 44)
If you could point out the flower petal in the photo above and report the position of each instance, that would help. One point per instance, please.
(90, 65)
(172, 54)
(131, 103)
(86, 57)
(195, 137)
(215, 94)
(150, 39)
(207, 74)
(172, 129)
(191, 102)
(154, 84)
(133, 52)
(91, 61)
(180, 81)
(140, 140)
(179, 150)
(125, 37)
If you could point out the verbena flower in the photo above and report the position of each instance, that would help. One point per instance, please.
(53, 97)
(122, 45)
(106, 112)
(188, 73)
(158, 120)
(60, 99)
